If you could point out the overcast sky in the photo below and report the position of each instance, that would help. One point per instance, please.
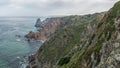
(53, 7)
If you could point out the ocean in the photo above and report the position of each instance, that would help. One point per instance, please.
(13, 46)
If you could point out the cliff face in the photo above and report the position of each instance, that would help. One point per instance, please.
(100, 48)
(95, 44)
(46, 30)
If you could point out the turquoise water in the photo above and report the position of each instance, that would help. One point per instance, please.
(13, 45)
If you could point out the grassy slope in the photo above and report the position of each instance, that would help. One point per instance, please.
(105, 27)
(66, 39)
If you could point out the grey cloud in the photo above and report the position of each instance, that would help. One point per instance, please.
(4, 2)
(53, 7)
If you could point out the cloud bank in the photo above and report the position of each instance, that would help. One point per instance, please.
(53, 7)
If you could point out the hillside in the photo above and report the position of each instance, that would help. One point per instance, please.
(67, 36)
(101, 49)
(92, 44)
(49, 26)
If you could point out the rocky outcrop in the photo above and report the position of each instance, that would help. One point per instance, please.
(33, 63)
(110, 52)
(38, 23)
(46, 31)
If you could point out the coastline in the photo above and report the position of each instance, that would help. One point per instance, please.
(47, 30)
(29, 61)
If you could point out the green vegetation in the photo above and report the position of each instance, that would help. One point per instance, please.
(64, 42)
(64, 60)
(61, 43)
(72, 47)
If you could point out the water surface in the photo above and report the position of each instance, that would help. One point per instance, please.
(13, 45)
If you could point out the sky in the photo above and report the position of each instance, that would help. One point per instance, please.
(53, 7)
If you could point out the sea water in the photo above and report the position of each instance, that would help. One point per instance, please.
(13, 45)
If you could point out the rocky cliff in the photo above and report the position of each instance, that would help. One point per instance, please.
(67, 37)
(94, 44)
(45, 31)
(49, 26)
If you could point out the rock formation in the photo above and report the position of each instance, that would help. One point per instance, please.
(38, 23)
(46, 31)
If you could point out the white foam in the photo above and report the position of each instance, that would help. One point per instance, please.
(18, 40)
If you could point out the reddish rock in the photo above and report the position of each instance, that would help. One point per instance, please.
(48, 29)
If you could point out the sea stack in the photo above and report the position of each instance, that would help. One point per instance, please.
(38, 23)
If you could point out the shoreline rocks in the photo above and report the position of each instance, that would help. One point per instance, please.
(32, 62)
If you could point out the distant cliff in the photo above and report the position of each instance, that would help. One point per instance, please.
(45, 31)
(49, 26)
